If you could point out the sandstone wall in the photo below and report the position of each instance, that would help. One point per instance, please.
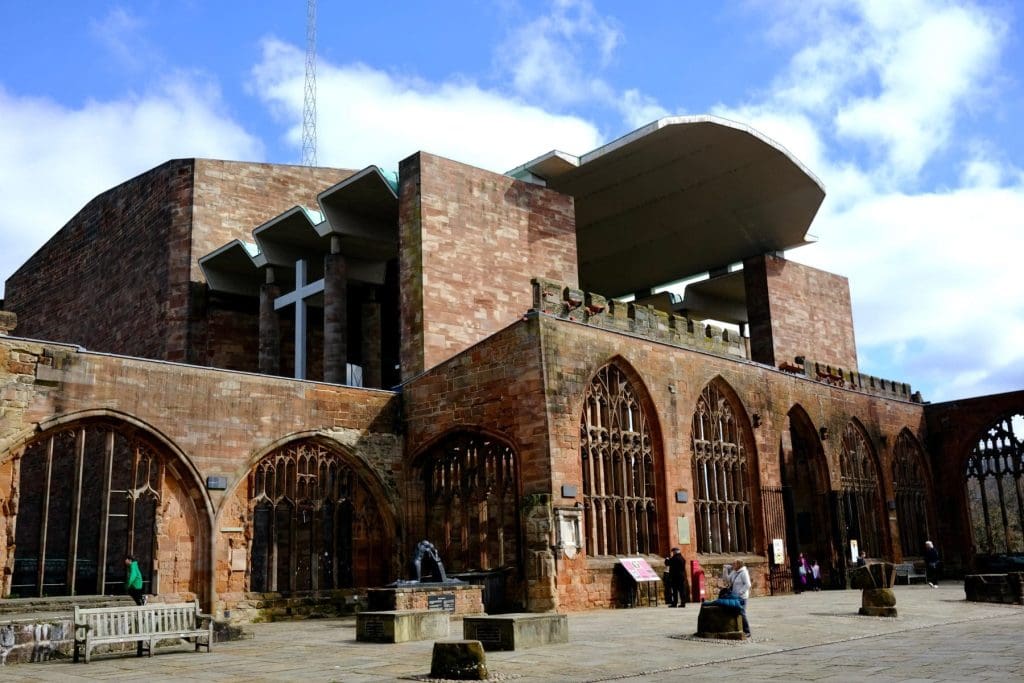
(469, 242)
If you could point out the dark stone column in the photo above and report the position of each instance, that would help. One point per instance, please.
(335, 317)
(270, 330)
(371, 340)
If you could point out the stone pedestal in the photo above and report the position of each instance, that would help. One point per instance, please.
(878, 602)
(459, 660)
(453, 598)
(719, 622)
(401, 626)
(516, 631)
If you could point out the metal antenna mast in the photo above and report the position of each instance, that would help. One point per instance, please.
(309, 106)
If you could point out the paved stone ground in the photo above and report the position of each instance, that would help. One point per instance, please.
(938, 636)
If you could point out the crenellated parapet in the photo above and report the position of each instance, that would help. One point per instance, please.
(849, 379)
(555, 298)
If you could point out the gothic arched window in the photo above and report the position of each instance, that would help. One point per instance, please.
(908, 476)
(619, 488)
(860, 503)
(472, 502)
(313, 524)
(88, 496)
(995, 488)
(720, 477)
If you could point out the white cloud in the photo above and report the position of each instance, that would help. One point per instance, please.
(367, 116)
(56, 159)
(120, 33)
(549, 57)
(879, 94)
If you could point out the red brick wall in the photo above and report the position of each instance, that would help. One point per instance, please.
(220, 422)
(470, 242)
(488, 386)
(123, 275)
(105, 279)
(796, 310)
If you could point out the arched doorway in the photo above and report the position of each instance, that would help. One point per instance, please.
(469, 502)
(860, 499)
(805, 487)
(994, 481)
(909, 477)
(314, 522)
(91, 492)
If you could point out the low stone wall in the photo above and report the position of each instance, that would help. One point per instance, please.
(251, 608)
(35, 639)
(1007, 589)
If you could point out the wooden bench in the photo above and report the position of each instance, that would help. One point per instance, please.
(144, 624)
(908, 571)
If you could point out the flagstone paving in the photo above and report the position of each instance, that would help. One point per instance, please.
(938, 636)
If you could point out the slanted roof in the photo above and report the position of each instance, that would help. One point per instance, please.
(360, 213)
(681, 196)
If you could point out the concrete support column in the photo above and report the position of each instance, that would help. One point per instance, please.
(335, 315)
(270, 328)
(371, 341)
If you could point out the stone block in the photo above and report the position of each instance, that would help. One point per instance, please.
(516, 631)
(878, 602)
(401, 626)
(459, 660)
(719, 622)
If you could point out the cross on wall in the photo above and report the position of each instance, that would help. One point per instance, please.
(298, 297)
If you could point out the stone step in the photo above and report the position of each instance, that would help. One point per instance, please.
(58, 605)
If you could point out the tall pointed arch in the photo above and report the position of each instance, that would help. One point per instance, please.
(995, 487)
(619, 468)
(469, 500)
(314, 521)
(860, 495)
(92, 489)
(722, 466)
(910, 481)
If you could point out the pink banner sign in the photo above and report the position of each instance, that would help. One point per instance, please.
(639, 569)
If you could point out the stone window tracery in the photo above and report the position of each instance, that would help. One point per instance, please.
(308, 514)
(619, 486)
(720, 476)
(995, 488)
(908, 477)
(860, 494)
(87, 496)
(472, 498)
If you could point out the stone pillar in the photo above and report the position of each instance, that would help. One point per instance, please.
(270, 328)
(371, 341)
(335, 315)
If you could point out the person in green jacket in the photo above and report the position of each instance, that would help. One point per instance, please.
(133, 580)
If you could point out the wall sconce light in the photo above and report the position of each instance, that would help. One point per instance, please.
(756, 419)
(682, 496)
(891, 504)
(823, 433)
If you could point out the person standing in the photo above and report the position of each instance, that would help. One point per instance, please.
(815, 575)
(738, 577)
(931, 564)
(133, 580)
(676, 564)
(803, 572)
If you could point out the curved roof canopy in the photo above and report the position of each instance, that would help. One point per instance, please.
(678, 197)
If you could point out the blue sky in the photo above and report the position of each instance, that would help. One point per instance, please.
(909, 112)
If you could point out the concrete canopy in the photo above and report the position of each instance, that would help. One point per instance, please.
(679, 197)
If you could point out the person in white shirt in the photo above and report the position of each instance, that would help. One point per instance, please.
(739, 582)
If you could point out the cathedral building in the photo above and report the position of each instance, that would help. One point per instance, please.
(268, 382)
